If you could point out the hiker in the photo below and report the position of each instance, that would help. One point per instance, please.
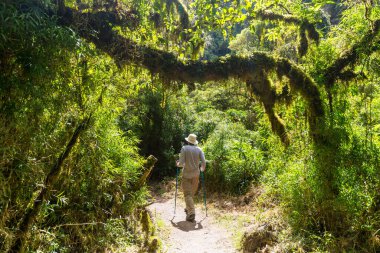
(189, 159)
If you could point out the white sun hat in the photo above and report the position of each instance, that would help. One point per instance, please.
(192, 138)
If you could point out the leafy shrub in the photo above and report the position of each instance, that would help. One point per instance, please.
(206, 122)
(358, 179)
(96, 190)
(234, 159)
(330, 192)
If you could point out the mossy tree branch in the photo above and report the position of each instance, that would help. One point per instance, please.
(351, 56)
(337, 69)
(169, 68)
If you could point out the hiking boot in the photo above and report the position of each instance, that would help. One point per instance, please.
(190, 218)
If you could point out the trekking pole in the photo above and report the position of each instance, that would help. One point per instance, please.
(176, 188)
(204, 190)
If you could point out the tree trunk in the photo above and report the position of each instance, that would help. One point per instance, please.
(32, 211)
(148, 166)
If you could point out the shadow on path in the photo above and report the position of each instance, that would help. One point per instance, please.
(187, 226)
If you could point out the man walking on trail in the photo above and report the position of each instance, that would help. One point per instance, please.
(189, 159)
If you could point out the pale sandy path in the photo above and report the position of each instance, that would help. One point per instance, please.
(180, 236)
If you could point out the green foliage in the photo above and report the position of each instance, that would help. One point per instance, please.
(215, 46)
(32, 46)
(157, 118)
(97, 189)
(358, 179)
(318, 210)
(206, 121)
(35, 118)
(155, 115)
(235, 159)
(50, 80)
(245, 43)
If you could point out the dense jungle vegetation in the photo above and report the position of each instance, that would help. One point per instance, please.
(282, 94)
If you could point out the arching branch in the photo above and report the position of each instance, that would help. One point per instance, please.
(169, 68)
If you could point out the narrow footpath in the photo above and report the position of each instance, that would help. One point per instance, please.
(204, 235)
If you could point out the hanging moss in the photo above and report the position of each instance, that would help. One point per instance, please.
(305, 26)
(277, 124)
(262, 88)
(184, 16)
(350, 57)
(289, 19)
(285, 96)
(302, 48)
(312, 32)
(300, 82)
(157, 19)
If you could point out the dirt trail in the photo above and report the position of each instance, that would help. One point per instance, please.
(204, 235)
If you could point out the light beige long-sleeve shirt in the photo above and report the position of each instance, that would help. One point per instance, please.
(189, 159)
